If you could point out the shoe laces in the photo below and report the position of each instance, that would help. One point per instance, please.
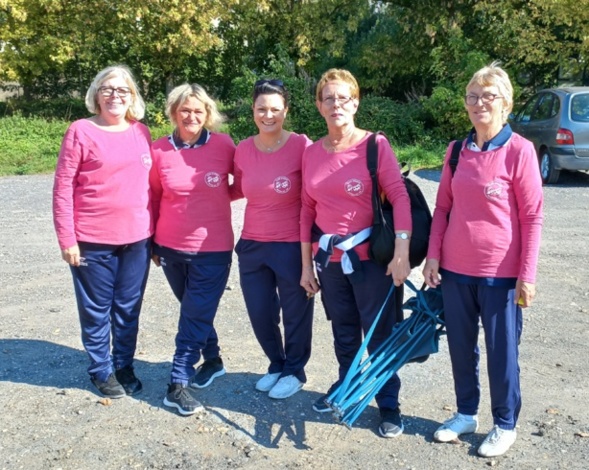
(457, 418)
(183, 394)
(495, 435)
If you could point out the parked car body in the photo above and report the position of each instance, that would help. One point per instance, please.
(556, 120)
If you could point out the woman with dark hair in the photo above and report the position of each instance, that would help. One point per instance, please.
(193, 238)
(103, 223)
(268, 174)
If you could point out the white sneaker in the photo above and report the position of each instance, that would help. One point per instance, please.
(266, 383)
(455, 426)
(285, 387)
(497, 442)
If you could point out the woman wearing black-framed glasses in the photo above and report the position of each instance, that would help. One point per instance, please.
(101, 211)
(268, 174)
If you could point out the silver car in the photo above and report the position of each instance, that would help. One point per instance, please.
(556, 120)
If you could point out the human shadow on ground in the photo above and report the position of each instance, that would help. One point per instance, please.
(46, 364)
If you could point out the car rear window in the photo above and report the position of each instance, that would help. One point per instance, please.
(580, 107)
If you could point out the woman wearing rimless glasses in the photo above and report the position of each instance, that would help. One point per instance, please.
(102, 217)
(268, 174)
(337, 216)
(193, 239)
(484, 242)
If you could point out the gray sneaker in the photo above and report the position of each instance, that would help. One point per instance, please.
(179, 397)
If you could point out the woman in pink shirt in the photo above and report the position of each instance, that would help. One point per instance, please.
(193, 240)
(102, 217)
(337, 206)
(485, 241)
(268, 174)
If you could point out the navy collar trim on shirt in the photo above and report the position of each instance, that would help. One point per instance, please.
(498, 141)
(177, 143)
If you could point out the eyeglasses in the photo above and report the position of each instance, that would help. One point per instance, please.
(275, 83)
(341, 100)
(107, 91)
(485, 98)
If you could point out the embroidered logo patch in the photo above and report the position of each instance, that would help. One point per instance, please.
(146, 160)
(213, 179)
(354, 187)
(494, 190)
(282, 185)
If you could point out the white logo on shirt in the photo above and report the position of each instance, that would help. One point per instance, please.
(213, 179)
(146, 160)
(354, 187)
(494, 190)
(282, 185)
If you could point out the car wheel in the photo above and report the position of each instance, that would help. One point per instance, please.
(549, 173)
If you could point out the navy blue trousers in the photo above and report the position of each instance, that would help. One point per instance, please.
(199, 288)
(270, 276)
(502, 323)
(109, 286)
(352, 309)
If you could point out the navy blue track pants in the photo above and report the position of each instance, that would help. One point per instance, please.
(109, 286)
(352, 309)
(270, 275)
(200, 288)
(502, 323)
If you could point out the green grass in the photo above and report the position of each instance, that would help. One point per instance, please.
(31, 145)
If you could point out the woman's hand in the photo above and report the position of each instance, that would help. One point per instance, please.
(309, 281)
(71, 255)
(524, 293)
(156, 260)
(399, 269)
(431, 272)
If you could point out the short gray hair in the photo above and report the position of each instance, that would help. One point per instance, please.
(181, 93)
(136, 109)
(493, 75)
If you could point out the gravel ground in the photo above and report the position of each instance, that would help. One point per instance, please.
(52, 417)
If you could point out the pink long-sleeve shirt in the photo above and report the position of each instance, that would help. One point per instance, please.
(337, 191)
(495, 205)
(271, 182)
(190, 195)
(101, 186)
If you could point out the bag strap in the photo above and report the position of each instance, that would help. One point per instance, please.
(372, 164)
(456, 148)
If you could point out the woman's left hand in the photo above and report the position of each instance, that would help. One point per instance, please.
(524, 293)
(399, 269)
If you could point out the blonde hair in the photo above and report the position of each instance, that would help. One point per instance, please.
(136, 109)
(493, 75)
(181, 93)
(339, 75)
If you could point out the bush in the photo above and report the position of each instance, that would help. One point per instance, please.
(63, 109)
(29, 145)
(403, 123)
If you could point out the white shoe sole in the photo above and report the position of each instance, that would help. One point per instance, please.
(210, 381)
(181, 410)
(282, 396)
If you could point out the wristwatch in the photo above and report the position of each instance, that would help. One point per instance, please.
(402, 236)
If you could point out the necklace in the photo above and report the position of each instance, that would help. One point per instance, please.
(334, 144)
(266, 148)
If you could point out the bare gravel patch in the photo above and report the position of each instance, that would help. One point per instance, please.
(51, 416)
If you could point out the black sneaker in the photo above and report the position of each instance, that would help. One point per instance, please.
(320, 406)
(126, 377)
(179, 397)
(208, 371)
(391, 424)
(111, 388)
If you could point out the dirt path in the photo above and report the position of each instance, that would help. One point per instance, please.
(51, 417)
